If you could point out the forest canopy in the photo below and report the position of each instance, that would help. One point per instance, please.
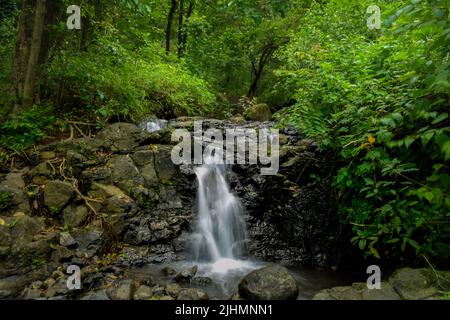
(376, 99)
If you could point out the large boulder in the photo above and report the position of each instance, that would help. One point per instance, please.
(125, 174)
(10, 287)
(74, 216)
(113, 200)
(57, 194)
(25, 227)
(12, 193)
(122, 136)
(418, 284)
(258, 112)
(269, 283)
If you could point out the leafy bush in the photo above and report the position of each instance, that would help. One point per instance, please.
(379, 99)
(27, 128)
(110, 80)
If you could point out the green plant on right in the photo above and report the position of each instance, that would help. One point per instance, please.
(380, 101)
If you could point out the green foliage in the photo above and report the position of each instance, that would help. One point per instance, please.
(27, 128)
(110, 80)
(380, 100)
(5, 198)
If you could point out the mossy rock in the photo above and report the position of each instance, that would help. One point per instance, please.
(258, 112)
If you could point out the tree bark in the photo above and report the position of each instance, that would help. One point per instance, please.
(258, 68)
(180, 28)
(170, 16)
(31, 76)
(22, 52)
(182, 32)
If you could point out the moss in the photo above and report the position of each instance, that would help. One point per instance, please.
(5, 198)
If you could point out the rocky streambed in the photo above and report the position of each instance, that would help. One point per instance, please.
(118, 208)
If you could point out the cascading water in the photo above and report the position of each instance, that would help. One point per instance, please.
(221, 233)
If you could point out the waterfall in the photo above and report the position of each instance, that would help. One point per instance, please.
(153, 125)
(221, 233)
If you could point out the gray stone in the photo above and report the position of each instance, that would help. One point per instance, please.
(25, 227)
(186, 275)
(269, 283)
(10, 287)
(96, 295)
(192, 294)
(57, 194)
(74, 216)
(173, 290)
(123, 290)
(164, 166)
(66, 239)
(414, 284)
(143, 293)
(168, 271)
(122, 136)
(124, 173)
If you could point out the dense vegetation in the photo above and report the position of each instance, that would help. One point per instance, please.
(377, 98)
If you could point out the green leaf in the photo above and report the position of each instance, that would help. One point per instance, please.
(446, 150)
(362, 244)
(440, 118)
(374, 252)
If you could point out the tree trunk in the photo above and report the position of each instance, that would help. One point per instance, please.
(182, 32)
(22, 52)
(173, 8)
(180, 29)
(31, 76)
(258, 68)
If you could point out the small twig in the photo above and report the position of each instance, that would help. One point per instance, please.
(438, 277)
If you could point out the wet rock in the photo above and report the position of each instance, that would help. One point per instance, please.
(173, 290)
(123, 290)
(5, 239)
(168, 271)
(201, 281)
(143, 293)
(90, 242)
(124, 173)
(66, 240)
(32, 293)
(12, 192)
(75, 216)
(97, 295)
(269, 283)
(415, 284)
(10, 287)
(192, 294)
(186, 275)
(163, 163)
(41, 173)
(159, 291)
(25, 227)
(58, 289)
(62, 254)
(259, 112)
(114, 200)
(358, 291)
(143, 157)
(57, 194)
(122, 136)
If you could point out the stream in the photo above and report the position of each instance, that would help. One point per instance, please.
(218, 244)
